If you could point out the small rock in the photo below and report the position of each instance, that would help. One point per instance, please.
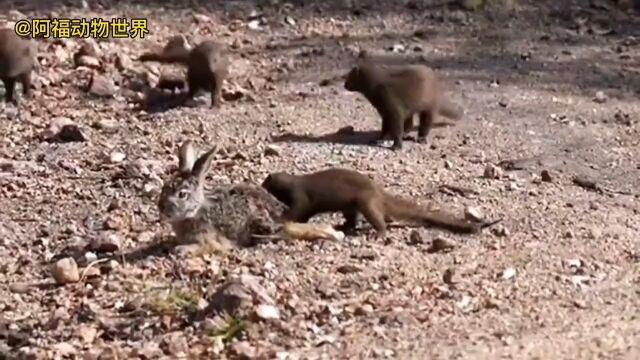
(91, 272)
(580, 304)
(546, 176)
(289, 20)
(176, 344)
(347, 130)
(492, 172)
(449, 276)
(123, 62)
(65, 349)
(106, 125)
(69, 133)
(415, 238)
(397, 48)
(109, 242)
(441, 244)
(254, 25)
(574, 263)
(234, 94)
(102, 86)
(243, 350)
(471, 5)
(117, 157)
(63, 129)
(508, 273)
(150, 350)
(448, 164)
(600, 97)
(236, 44)
(267, 312)
(348, 269)
(364, 310)
(491, 303)
(239, 292)
(503, 103)
(87, 61)
(473, 214)
(201, 18)
(65, 271)
(87, 333)
(272, 150)
(19, 288)
(501, 231)
(111, 265)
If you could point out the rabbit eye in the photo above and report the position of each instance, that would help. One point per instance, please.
(183, 194)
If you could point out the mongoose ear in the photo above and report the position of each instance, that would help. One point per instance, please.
(187, 154)
(203, 165)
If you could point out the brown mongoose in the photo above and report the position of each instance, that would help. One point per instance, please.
(17, 60)
(399, 92)
(350, 192)
(207, 67)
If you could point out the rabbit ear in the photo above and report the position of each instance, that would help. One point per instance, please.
(202, 165)
(187, 154)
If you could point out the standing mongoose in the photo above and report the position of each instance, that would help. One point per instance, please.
(399, 92)
(350, 192)
(17, 60)
(207, 66)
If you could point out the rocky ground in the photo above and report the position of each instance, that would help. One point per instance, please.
(550, 97)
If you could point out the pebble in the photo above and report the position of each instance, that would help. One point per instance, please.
(267, 312)
(364, 309)
(473, 213)
(600, 97)
(441, 244)
(117, 157)
(508, 273)
(492, 172)
(449, 276)
(348, 269)
(65, 271)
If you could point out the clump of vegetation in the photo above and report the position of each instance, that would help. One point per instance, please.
(177, 301)
(233, 327)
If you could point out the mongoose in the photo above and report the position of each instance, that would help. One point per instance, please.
(399, 92)
(350, 192)
(207, 67)
(17, 60)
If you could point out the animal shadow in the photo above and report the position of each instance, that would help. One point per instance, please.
(346, 136)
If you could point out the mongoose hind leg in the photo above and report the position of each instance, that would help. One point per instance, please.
(371, 210)
(350, 223)
(426, 123)
(397, 132)
(407, 128)
(216, 90)
(9, 85)
(25, 79)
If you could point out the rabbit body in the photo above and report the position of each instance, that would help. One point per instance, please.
(219, 218)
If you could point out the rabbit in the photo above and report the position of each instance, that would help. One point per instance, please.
(217, 219)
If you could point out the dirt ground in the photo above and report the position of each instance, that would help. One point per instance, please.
(546, 87)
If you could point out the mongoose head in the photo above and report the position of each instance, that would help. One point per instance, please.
(279, 185)
(353, 79)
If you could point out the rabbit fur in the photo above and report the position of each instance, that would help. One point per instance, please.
(217, 219)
